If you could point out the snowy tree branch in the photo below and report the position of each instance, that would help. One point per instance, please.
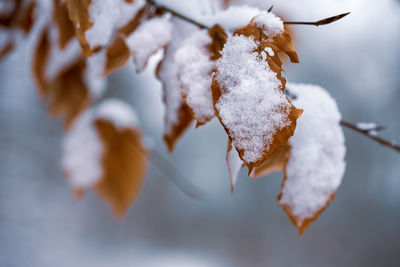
(369, 134)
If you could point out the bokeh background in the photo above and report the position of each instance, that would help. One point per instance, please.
(356, 59)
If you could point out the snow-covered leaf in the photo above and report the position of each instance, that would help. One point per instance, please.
(248, 92)
(316, 165)
(104, 151)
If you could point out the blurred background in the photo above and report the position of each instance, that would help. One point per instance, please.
(356, 59)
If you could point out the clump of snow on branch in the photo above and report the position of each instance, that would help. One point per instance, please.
(316, 165)
(148, 38)
(252, 106)
(119, 113)
(194, 72)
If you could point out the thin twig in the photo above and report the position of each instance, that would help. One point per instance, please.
(178, 15)
(367, 133)
(319, 22)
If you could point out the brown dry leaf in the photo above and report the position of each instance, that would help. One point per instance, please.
(64, 24)
(68, 94)
(124, 164)
(184, 116)
(40, 61)
(117, 55)
(79, 14)
(278, 43)
(302, 224)
(219, 38)
(276, 162)
(281, 43)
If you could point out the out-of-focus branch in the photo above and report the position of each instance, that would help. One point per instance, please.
(367, 133)
(202, 26)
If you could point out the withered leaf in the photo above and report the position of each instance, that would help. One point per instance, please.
(64, 24)
(117, 55)
(276, 162)
(124, 164)
(248, 97)
(79, 14)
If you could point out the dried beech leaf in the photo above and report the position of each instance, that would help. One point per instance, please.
(117, 55)
(276, 162)
(124, 164)
(64, 24)
(104, 151)
(219, 38)
(40, 60)
(248, 93)
(79, 14)
(316, 165)
(68, 94)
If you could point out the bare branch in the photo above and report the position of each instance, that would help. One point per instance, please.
(368, 134)
(203, 26)
(319, 22)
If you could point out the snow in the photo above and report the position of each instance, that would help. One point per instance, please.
(148, 38)
(82, 153)
(59, 59)
(118, 112)
(366, 126)
(82, 146)
(169, 75)
(108, 16)
(252, 105)
(316, 165)
(271, 24)
(194, 72)
(94, 74)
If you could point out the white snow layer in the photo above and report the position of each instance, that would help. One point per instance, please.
(169, 75)
(194, 71)
(271, 24)
(148, 38)
(366, 126)
(82, 146)
(82, 153)
(107, 16)
(251, 106)
(118, 112)
(316, 165)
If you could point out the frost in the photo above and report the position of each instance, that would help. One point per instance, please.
(108, 16)
(316, 165)
(148, 38)
(251, 106)
(194, 71)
